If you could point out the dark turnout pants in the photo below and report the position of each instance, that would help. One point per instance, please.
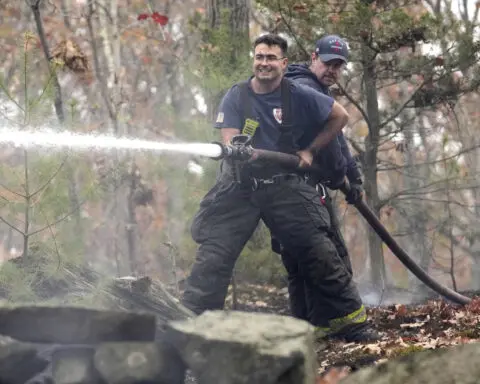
(292, 210)
(299, 293)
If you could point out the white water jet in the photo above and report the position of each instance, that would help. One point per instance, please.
(60, 140)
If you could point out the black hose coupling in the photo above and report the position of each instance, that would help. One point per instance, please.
(239, 149)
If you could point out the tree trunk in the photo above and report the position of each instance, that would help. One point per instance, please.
(124, 212)
(235, 15)
(377, 263)
(469, 138)
(415, 222)
(59, 111)
(237, 22)
(473, 162)
(238, 19)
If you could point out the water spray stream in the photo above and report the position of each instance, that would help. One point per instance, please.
(60, 140)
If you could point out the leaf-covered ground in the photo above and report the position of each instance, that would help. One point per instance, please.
(405, 329)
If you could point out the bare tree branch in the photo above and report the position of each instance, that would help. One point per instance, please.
(12, 226)
(66, 19)
(96, 62)
(355, 103)
(49, 180)
(355, 146)
(41, 33)
(451, 157)
(402, 107)
(12, 191)
(54, 237)
(64, 217)
(421, 191)
(290, 29)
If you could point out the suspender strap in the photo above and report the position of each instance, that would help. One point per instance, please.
(250, 125)
(286, 142)
(245, 101)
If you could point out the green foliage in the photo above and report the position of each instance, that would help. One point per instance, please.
(258, 262)
(473, 333)
(36, 190)
(29, 280)
(224, 56)
(16, 283)
(405, 351)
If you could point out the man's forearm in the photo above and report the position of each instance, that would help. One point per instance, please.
(228, 133)
(338, 119)
(328, 134)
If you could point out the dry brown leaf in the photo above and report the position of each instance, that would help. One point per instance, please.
(400, 342)
(373, 349)
(401, 309)
(333, 376)
(460, 315)
(429, 344)
(68, 52)
(412, 325)
(474, 306)
(451, 321)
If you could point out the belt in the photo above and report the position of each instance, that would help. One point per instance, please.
(275, 179)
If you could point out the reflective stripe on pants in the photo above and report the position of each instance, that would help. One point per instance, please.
(335, 325)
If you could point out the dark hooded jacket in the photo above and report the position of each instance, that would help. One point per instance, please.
(337, 164)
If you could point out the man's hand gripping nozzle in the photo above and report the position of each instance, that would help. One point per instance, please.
(237, 153)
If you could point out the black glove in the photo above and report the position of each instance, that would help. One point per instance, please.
(335, 183)
(355, 193)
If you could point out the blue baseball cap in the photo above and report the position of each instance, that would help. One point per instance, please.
(332, 47)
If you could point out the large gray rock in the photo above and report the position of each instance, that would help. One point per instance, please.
(18, 361)
(135, 363)
(239, 348)
(74, 325)
(454, 365)
(74, 365)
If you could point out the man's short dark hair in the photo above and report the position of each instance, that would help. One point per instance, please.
(272, 39)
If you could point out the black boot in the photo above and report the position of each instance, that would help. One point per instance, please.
(356, 333)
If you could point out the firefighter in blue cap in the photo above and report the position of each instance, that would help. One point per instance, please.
(327, 63)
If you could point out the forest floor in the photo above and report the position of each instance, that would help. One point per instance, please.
(404, 328)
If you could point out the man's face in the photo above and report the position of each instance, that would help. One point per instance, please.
(268, 63)
(327, 73)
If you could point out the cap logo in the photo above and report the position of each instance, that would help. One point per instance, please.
(336, 45)
(332, 47)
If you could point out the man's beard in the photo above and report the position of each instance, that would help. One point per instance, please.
(265, 80)
(330, 80)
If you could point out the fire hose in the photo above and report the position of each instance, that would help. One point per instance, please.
(240, 151)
